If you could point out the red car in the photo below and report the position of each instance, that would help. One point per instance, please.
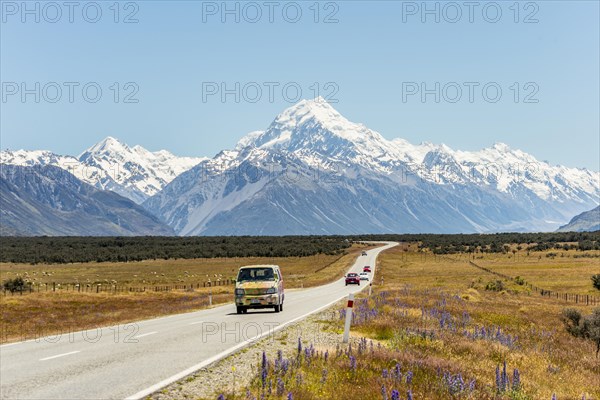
(352, 278)
(366, 268)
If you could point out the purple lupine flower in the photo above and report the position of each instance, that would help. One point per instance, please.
(498, 380)
(384, 373)
(383, 392)
(395, 395)
(263, 377)
(505, 382)
(324, 375)
(353, 363)
(264, 360)
(471, 385)
(409, 377)
(397, 372)
(553, 396)
(516, 379)
(307, 356)
(221, 397)
(280, 387)
(299, 346)
(326, 355)
(409, 395)
(289, 396)
(285, 364)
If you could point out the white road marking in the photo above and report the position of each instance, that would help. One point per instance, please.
(60, 355)
(197, 322)
(144, 334)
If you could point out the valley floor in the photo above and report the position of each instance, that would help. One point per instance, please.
(431, 331)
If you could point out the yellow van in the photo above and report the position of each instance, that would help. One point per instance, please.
(259, 286)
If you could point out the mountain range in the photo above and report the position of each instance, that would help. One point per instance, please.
(587, 221)
(314, 172)
(133, 172)
(47, 200)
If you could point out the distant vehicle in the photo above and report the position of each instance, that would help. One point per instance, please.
(259, 286)
(352, 278)
(366, 268)
(364, 276)
(364, 253)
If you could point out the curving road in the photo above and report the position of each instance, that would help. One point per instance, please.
(134, 360)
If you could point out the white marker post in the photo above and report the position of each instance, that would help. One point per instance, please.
(370, 286)
(348, 318)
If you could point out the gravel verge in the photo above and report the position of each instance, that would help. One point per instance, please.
(234, 373)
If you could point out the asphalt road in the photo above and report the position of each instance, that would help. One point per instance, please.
(134, 360)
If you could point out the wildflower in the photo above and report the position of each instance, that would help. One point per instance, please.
(299, 346)
(289, 396)
(384, 373)
(280, 387)
(383, 392)
(498, 380)
(221, 397)
(395, 395)
(352, 363)
(263, 377)
(409, 395)
(326, 355)
(472, 385)
(409, 377)
(553, 396)
(324, 375)
(505, 382)
(397, 372)
(516, 379)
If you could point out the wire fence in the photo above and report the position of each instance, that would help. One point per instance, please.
(108, 288)
(583, 299)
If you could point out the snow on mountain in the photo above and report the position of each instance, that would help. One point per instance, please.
(313, 171)
(133, 172)
(47, 200)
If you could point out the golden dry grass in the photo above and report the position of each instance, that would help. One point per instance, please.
(30, 315)
(298, 271)
(425, 316)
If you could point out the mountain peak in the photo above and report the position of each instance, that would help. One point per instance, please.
(501, 146)
(109, 144)
(316, 109)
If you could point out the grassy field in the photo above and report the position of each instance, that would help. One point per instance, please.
(565, 271)
(433, 331)
(37, 314)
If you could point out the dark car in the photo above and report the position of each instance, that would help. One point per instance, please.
(366, 268)
(364, 253)
(352, 278)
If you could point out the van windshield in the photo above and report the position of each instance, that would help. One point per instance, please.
(256, 274)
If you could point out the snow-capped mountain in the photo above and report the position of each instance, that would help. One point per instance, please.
(133, 172)
(47, 200)
(313, 171)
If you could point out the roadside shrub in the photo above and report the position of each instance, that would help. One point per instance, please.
(519, 281)
(15, 285)
(596, 281)
(585, 327)
(496, 286)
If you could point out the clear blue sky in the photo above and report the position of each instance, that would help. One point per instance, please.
(369, 54)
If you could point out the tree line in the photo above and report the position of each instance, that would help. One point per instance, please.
(122, 249)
